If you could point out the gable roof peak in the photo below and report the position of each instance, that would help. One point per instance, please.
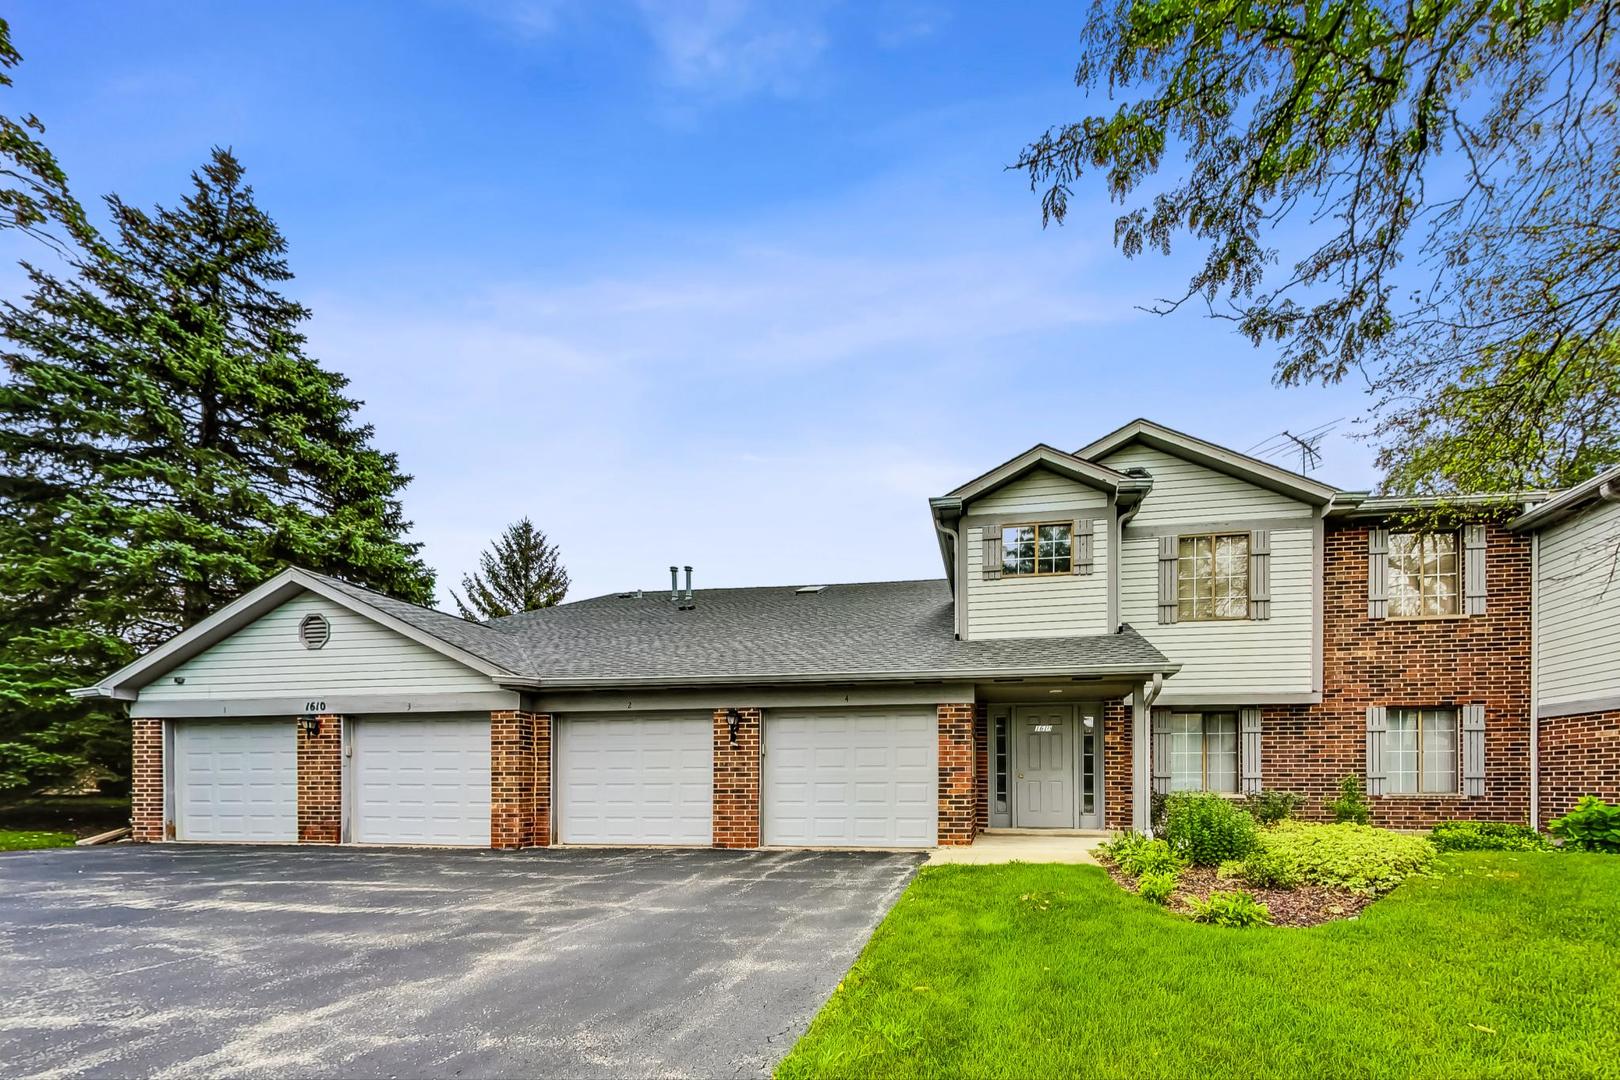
(1211, 455)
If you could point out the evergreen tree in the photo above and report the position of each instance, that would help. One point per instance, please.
(166, 445)
(521, 571)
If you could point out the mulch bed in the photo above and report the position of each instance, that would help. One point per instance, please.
(1308, 905)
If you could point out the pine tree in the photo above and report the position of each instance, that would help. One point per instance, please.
(166, 445)
(521, 571)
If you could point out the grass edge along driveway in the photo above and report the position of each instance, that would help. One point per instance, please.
(31, 839)
(1495, 964)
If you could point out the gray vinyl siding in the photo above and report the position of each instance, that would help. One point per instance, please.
(1055, 606)
(1240, 656)
(1578, 609)
(266, 659)
(1187, 492)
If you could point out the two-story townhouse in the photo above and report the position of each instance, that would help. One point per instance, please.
(1150, 613)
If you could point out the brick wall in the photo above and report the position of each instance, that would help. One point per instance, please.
(146, 780)
(1580, 755)
(736, 780)
(1116, 721)
(544, 726)
(320, 782)
(957, 790)
(1478, 659)
(981, 767)
(512, 779)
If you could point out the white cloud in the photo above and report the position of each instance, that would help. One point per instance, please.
(732, 48)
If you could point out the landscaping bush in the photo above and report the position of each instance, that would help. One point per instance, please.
(1486, 836)
(1265, 869)
(1208, 829)
(1229, 909)
(1351, 805)
(1157, 886)
(1593, 825)
(1347, 856)
(1270, 807)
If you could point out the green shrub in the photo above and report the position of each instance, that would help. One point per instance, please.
(1136, 855)
(1157, 886)
(1593, 825)
(1347, 856)
(1351, 805)
(1486, 836)
(1265, 869)
(1230, 909)
(1270, 807)
(1208, 829)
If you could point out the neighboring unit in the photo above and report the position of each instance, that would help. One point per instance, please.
(1152, 613)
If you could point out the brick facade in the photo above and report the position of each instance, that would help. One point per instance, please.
(1439, 663)
(981, 767)
(320, 782)
(958, 795)
(146, 780)
(515, 775)
(736, 779)
(1579, 755)
(1116, 750)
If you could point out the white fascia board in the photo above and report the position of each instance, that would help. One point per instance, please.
(1212, 455)
(1560, 506)
(834, 678)
(1089, 473)
(124, 684)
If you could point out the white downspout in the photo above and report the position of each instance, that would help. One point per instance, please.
(958, 594)
(1141, 754)
(1535, 680)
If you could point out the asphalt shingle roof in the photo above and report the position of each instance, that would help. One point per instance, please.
(870, 629)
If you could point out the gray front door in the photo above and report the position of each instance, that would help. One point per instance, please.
(1043, 767)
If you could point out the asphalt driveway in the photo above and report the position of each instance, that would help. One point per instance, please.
(184, 961)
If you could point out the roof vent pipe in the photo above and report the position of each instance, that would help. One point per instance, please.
(688, 584)
(674, 584)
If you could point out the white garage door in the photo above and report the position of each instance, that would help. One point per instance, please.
(635, 780)
(236, 780)
(851, 778)
(421, 780)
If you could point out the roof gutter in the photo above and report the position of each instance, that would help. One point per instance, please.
(1156, 672)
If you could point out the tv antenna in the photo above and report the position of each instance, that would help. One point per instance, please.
(1308, 444)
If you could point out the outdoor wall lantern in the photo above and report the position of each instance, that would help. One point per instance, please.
(733, 718)
(310, 725)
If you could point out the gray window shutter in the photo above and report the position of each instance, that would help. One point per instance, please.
(1474, 570)
(1473, 750)
(1377, 724)
(1377, 573)
(1260, 574)
(1160, 755)
(990, 536)
(1082, 546)
(1169, 548)
(1249, 749)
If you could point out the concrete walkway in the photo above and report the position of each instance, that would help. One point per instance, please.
(1030, 847)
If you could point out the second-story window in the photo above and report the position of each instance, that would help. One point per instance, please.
(1422, 574)
(1212, 577)
(1036, 549)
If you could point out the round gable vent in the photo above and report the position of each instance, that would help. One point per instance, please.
(314, 631)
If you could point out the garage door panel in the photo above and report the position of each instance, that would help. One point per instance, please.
(850, 778)
(236, 780)
(421, 781)
(635, 780)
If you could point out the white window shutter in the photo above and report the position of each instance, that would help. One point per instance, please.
(1473, 750)
(1081, 548)
(1474, 570)
(990, 536)
(1160, 756)
(1377, 724)
(1169, 549)
(1260, 574)
(1249, 748)
(1377, 573)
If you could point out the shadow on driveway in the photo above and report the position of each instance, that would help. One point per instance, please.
(266, 961)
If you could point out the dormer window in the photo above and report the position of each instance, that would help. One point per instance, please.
(1035, 549)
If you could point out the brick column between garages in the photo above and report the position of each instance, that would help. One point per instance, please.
(511, 779)
(146, 780)
(956, 796)
(320, 782)
(544, 725)
(736, 780)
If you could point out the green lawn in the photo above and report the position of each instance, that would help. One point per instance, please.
(19, 840)
(1501, 964)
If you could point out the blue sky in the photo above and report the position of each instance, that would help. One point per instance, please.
(726, 283)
